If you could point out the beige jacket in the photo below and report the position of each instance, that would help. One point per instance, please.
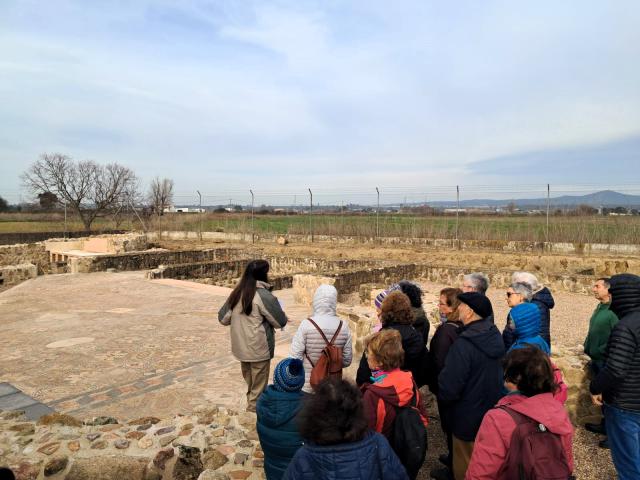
(252, 336)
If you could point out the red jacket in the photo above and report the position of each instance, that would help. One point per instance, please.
(381, 398)
(493, 439)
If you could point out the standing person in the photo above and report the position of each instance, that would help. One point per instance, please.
(528, 377)
(617, 385)
(443, 338)
(471, 381)
(517, 293)
(308, 342)
(396, 314)
(338, 442)
(253, 313)
(276, 417)
(525, 318)
(542, 298)
(475, 282)
(420, 321)
(392, 390)
(600, 326)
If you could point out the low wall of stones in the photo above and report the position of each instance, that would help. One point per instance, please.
(14, 274)
(491, 245)
(212, 444)
(34, 253)
(33, 237)
(153, 258)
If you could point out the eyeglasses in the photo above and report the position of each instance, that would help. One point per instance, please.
(512, 293)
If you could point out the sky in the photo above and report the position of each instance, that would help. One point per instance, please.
(413, 97)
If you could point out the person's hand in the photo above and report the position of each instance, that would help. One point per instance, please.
(597, 399)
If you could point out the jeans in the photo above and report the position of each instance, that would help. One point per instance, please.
(623, 431)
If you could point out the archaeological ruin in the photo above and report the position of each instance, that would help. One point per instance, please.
(117, 335)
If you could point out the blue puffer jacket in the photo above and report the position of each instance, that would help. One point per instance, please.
(526, 318)
(545, 302)
(369, 459)
(277, 429)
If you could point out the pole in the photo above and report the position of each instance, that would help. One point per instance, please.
(311, 214)
(457, 210)
(342, 215)
(200, 215)
(65, 219)
(253, 235)
(378, 214)
(548, 203)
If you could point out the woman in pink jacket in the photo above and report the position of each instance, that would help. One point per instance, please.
(529, 378)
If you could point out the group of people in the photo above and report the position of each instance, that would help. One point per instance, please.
(499, 395)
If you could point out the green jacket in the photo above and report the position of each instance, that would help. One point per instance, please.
(602, 322)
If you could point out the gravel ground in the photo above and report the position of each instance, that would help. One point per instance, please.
(569, 325)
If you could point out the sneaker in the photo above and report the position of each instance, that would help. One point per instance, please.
(441, 474)
(604, 443)
(445, 459)
(595, 428)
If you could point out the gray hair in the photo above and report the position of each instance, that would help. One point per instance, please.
(479, 281)
(523, 289)
(526, 277)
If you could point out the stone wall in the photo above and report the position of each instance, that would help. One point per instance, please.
(153, 258)
(491, 245)
(34, 253)
(213, 443)
(573, 363)
(14, 274)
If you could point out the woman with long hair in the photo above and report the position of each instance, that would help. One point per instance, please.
(253, 313)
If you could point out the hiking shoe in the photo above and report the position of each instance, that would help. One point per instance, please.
(441, 474)
(445, 459)
(604, 443)
(595, 428)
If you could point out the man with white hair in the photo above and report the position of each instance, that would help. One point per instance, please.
(477, 282)
(542, 298)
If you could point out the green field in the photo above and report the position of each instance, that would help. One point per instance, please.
(588, 229)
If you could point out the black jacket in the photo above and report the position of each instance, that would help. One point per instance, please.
(471, 381)
(545, 302)
(443, 338)
(619, 380)
(414, 354)
(421, 323)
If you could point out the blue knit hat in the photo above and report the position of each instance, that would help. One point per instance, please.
(289, 375)
(526, 317)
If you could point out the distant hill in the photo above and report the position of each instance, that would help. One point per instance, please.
(604, 198)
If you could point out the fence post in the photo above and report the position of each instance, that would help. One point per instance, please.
(457, 210)
(378, 216)
(253, 235)
(548, 203)
(199, 215)
(311, 214)
(65, 219)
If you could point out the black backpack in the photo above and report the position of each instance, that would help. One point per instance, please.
(534, 453)
(409, 436)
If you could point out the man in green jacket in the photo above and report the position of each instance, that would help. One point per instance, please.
(600, 326)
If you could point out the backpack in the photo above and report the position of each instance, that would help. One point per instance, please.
(329, 364)
(409, 436)
(535, 453)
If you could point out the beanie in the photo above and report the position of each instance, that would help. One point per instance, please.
(288, 375)
(477, 302)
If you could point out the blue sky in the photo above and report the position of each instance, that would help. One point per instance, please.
(281, 96)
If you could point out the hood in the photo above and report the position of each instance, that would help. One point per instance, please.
(485, 336)
(395, 389)
(325, 300)
(543, 409)
(526, 319)
(277, 408)
(625, 294)
(328, 460)
(265, 285)
(544, 296)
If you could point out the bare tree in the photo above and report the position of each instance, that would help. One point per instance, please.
(90, 189)
(161, 194)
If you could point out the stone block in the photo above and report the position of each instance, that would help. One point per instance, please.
(304, 287)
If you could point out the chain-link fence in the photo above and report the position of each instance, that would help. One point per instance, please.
(534, 213)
